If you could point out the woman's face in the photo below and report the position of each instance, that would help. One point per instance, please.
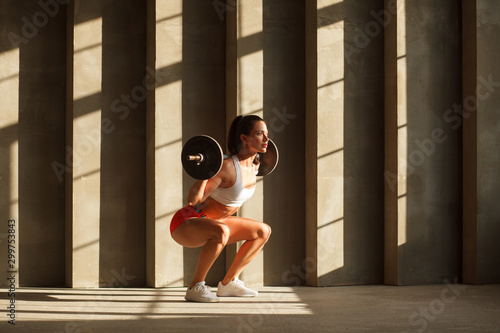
(258, 138)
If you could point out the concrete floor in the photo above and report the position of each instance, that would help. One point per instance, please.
(436, 308)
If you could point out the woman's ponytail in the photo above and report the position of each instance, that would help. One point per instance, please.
(233, 139)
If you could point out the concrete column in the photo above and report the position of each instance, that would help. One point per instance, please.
(481, 128)
(164, 195)
(422, 197)
(203, 99)
(344, 143)
(284, 111)
(42, 146)
(122, 227)
(32, 48)
(84, 145)
(9, 165)
(324, 139)
(244, 95)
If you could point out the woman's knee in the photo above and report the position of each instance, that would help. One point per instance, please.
(265, 231)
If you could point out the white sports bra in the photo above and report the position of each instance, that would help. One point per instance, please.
(235, 195)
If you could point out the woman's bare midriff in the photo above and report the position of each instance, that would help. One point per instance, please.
(217, 211)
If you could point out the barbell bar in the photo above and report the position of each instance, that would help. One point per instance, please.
(202, 157)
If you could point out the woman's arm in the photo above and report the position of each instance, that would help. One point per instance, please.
(201, 189)
(196, 192)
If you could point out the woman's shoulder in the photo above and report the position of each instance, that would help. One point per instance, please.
(228, 165)
(227, 172)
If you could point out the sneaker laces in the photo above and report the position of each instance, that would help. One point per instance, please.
(238, 281)
(203, 288)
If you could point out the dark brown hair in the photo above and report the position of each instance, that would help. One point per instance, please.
(240, 125)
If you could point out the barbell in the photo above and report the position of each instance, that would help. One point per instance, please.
(202, 157)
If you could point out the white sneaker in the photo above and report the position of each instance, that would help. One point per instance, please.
(235, 288)
(200, 293)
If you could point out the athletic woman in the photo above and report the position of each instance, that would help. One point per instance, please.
(208, 222)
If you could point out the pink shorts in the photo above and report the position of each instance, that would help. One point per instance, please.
(185, 213)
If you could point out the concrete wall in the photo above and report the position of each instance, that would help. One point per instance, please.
(363, 99)
(164, 141)
(9, 139)
(123, 158)
(41, 126)
(203, 97)
(423, 166)
(33, 56)
(481, 125)
(284, 111)
(105, 145)
(344, 151)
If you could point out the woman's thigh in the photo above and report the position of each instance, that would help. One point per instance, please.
(246, 229)
(195, 232)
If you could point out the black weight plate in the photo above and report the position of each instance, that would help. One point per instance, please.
(268, 160)
(212, 157)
